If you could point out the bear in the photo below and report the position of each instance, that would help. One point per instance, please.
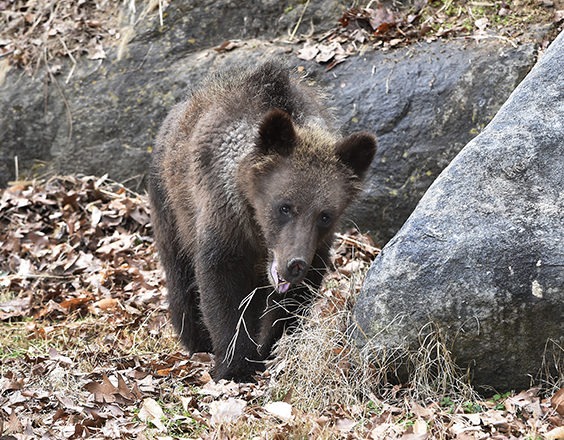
(247, 183)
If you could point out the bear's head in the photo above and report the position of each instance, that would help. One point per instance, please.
(299, 181)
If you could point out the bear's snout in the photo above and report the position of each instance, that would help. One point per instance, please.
(284, 276)
(296, 270)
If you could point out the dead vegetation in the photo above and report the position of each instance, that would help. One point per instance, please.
(37, 33)
(87, 349)
(380, 25)
(41, 33)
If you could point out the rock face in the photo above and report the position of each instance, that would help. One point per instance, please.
(425, 102)
(424, 105)
(482, 255)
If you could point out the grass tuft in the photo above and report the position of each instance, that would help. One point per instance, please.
(320, 364)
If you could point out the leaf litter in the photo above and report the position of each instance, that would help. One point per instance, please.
(382, 26)
(35, 33)
(87, 349)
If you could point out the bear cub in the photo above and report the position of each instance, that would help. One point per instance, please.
(247, 183)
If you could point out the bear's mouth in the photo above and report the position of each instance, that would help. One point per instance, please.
(279, 283)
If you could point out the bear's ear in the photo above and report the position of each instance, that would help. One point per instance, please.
(276, 133)
(357, 152)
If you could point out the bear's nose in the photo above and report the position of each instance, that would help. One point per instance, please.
(296, 268)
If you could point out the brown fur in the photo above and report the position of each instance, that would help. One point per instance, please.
(247, 184)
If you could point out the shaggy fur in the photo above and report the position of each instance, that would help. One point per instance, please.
(247, 183)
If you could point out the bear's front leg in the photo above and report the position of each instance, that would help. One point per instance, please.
(225, 278)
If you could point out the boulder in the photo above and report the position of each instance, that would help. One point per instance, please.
(197, 24)
(482, 255)
(425, 102)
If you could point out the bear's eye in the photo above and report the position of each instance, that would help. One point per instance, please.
(324, 219)
(285, 209)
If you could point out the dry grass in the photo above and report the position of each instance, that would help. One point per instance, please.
(321, 364)
(551, 375)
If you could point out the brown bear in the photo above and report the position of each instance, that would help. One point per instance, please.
(247, 183)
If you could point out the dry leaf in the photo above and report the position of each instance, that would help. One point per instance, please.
(527, 400)
(421, 411)
(96, 217)
(11, 385)
(186, 402)
(151, 412)
(228, 46)
(345, 425)
(386, 431)
(308, 52)
(380, 17)
(420, 428)
(103, 392)
(282, 410)
(226, 411)
(204, 378)
(14, 308)
(328, 51)
(557, 401)
(555, 434)
(13, 425)
(482, 23)
(217, 389)
(106, 303)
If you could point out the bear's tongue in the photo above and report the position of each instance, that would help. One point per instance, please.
(282, 285)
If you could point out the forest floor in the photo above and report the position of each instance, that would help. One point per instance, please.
(38, 33)
(86, 346)
(87, 349)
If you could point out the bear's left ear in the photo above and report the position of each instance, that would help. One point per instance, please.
(277, 133)
(357, 152)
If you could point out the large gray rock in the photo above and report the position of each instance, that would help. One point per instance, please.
(482, 255)
(425, 102)
(197, 24)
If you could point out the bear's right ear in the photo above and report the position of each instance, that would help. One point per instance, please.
(276, 133)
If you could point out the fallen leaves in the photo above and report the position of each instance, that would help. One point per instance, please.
(378, 20)
(86, 349)
(361, 28)
(107, 392)
(381, 26)
(37, 33)
(67, 241)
